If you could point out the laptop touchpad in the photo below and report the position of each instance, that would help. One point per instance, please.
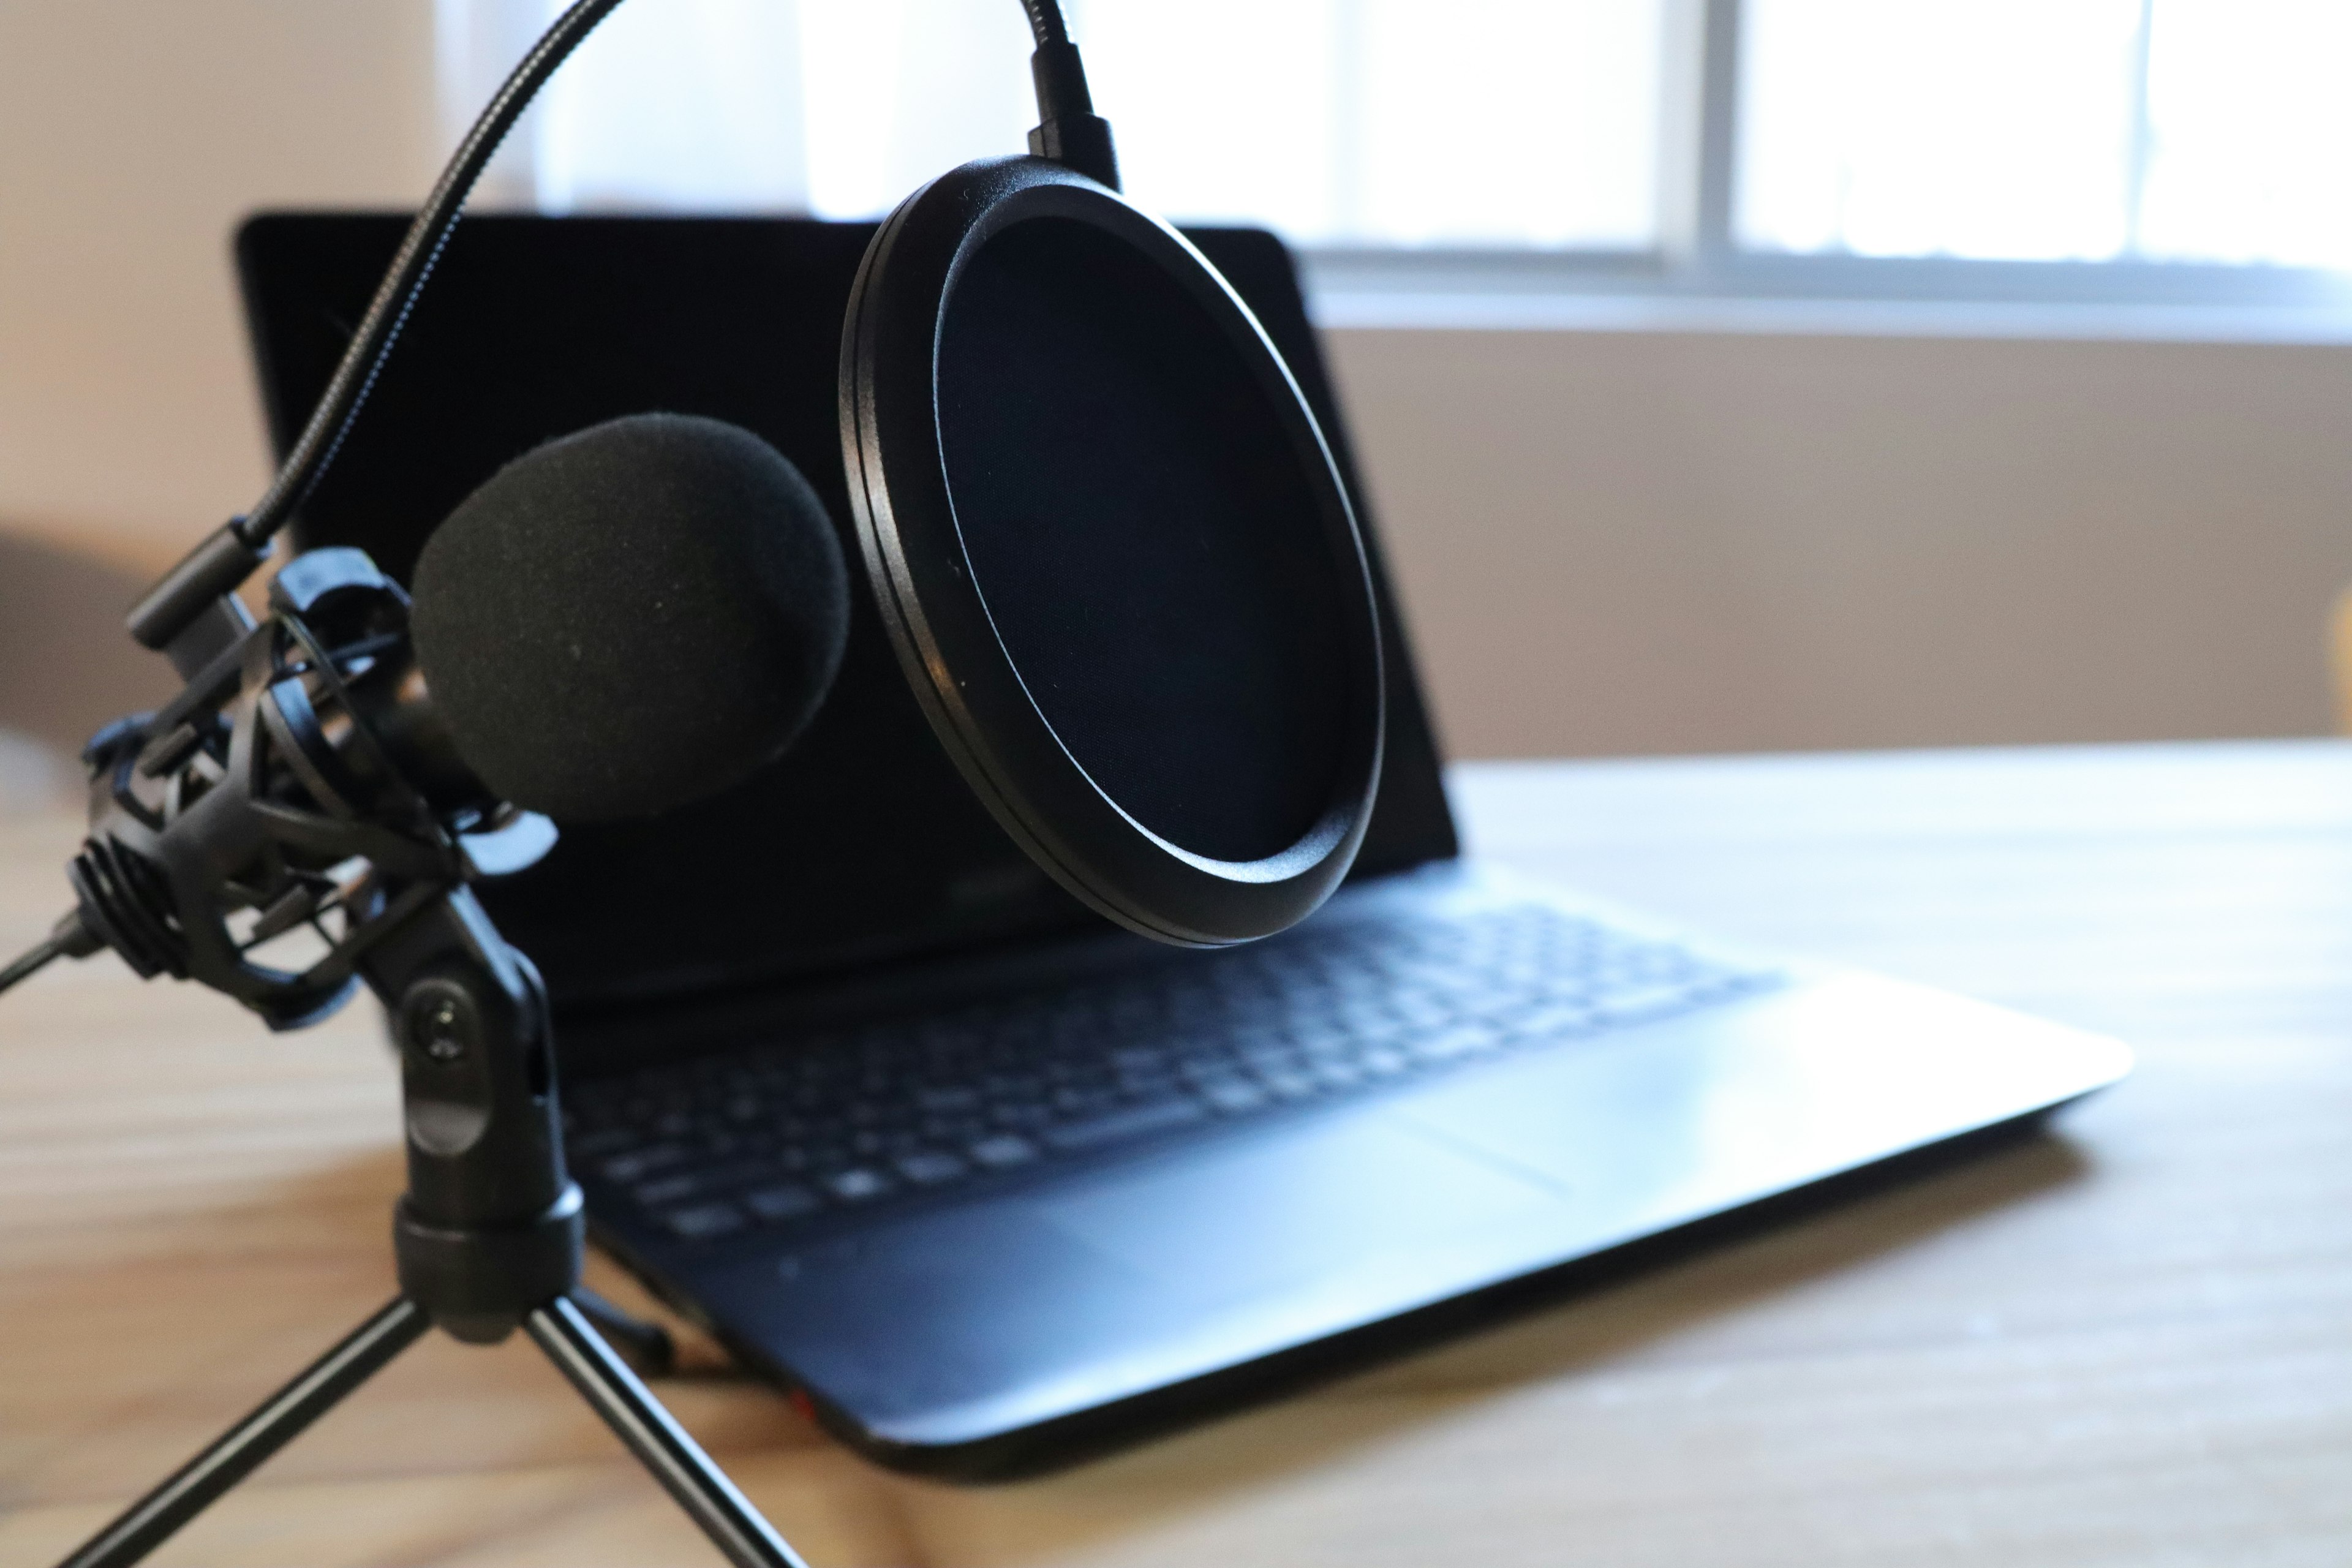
(986, 1316)
(1232, 1221)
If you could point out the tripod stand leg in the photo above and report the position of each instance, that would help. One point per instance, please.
(660, 1443)
(235, 1453)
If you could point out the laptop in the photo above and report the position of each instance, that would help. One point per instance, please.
(988, 1184)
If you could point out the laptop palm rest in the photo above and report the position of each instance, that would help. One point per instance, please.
(962, 1324)
(953, 1326)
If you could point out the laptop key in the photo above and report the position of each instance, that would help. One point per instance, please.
(1118, 1126)
(928, 1168)
(663, 1190)
(627, 1168)
(1450, 1044)
(1284, 1083)
(1643, 1005)
(1545, 1022)
(787, 1200)
(1339, 1074)
(858, 1183)
(1233, 1096)
(1002, 1152)
(703, 1221)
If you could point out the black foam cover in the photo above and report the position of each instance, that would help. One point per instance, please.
(631, 617)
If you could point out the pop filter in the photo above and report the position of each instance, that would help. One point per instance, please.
(1115, 558)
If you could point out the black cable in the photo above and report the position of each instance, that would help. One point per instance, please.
(24, 967)
(645, 1344)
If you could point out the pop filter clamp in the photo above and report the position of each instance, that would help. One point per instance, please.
(301, 777)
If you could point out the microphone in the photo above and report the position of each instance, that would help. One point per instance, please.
(619, 622)
(631, 617)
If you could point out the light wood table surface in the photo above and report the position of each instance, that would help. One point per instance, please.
(2128, 1343)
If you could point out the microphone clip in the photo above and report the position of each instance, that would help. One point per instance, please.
(294, 804)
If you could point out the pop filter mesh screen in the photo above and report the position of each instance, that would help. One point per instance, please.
(1146, 537)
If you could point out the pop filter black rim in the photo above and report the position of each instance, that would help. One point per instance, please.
(959, 666)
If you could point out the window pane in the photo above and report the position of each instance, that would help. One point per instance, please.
(1383, 121)
(1208, 128)
(2250, 131)
(1513, 122)
(1510, 122)
(674, 105)
(898, 91)
(2000, 128)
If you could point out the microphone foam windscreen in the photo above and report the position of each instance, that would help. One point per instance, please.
(631, 617)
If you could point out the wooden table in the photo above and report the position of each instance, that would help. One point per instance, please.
(2128, 1344)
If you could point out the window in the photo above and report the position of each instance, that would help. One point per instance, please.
(2000, 149)
(1526, 123)
(2048, 129)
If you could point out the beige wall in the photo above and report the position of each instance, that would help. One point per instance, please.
(1608, 541)
(134, 134)
(1641, 542)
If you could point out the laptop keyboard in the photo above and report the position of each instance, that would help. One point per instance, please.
(780, 1131)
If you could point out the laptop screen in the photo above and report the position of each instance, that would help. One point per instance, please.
(862, 842)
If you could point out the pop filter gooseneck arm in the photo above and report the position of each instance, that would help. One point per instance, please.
(185, 615)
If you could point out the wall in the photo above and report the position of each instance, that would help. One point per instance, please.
(1607, 541)
(1645, 542)
(134, 134)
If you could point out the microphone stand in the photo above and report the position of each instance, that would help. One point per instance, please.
(488, 1237)
(294, 751)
